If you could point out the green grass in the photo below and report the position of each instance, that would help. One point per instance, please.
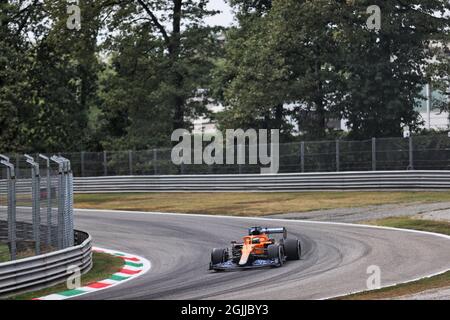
(250, 204)
(436, 282)
(415, 224)
(440, 281)
(105, 265)
(4, 253)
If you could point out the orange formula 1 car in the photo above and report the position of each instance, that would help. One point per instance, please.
(257, 250)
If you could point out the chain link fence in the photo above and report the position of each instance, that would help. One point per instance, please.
(431, 152)
(36, 205)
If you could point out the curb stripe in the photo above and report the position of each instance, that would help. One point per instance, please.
(98, 285)
(134, 266)
(130, 259)
(116, 277)
(128, 271)
(131, 268)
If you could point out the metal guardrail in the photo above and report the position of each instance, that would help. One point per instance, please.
(46, 269)
(258, 182)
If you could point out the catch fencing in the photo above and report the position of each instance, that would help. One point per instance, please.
(428, 152)
(36, 206)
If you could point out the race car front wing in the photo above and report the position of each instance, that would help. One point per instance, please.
(258, 263)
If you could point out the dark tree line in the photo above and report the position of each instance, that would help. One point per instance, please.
(138, 69)
(321, 58)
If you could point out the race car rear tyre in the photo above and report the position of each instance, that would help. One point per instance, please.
(218, 256)
(292, 249)
(275, 251)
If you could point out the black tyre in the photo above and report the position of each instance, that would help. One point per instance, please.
(292, 249)
(275, 251)
(218, 256)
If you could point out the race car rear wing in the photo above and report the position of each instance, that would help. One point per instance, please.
(259, 230)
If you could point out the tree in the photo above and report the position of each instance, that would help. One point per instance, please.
(439, 71)
(250, 69)
(251, 7)
(64, 79)
(135, 114)
(321, 59)
(191, 45)
(161, 54)
(308, 34)
(16, 19)
(48, 76)
(285, 63)
(386, 69)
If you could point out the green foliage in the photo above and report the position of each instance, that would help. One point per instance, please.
(152, 84)
(138, 69)
(386, 68)
(251, 79)
(320, 59)
(122, 81)
(47, 81)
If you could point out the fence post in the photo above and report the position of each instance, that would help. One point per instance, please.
(411, 155)
(155, 164)
(11, 177)
(36, 205)
(49, 200)
(337, 156)
(105, 164)
(130, 161)
(82, 163)
(17, 167)
(71, 203)
(302, 156)
(374, 154)
(68, 212)
(60, 200)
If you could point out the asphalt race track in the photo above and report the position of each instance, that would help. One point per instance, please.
(334, 261)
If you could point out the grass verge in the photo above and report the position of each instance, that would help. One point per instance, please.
(104, 266)
(4, 253)
(440, 281)
(414, 224)
(25, 253)
(250, 204)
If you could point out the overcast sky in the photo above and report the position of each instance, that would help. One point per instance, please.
(225, 18)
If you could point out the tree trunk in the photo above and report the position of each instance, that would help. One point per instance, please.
(174, 54)
(279, 116)
(321, 118)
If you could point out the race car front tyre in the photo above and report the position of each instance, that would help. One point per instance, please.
(218, 256)
(275, 251)
(292, 249)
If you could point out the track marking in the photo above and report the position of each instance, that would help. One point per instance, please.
(134, 267)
